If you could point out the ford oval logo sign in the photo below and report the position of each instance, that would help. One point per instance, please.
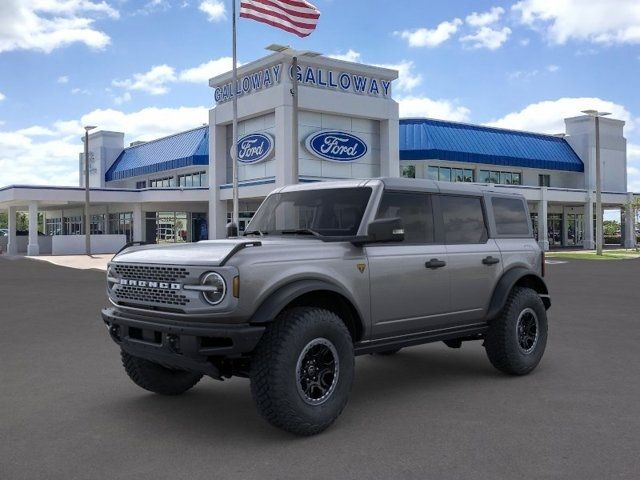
(336, 146)
(255, 147)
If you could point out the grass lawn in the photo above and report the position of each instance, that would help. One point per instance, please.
(591, 255)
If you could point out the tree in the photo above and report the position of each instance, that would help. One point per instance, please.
(611, 228)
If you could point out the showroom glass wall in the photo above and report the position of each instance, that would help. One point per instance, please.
(175, 227)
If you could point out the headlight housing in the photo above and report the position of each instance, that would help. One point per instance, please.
(216, 288)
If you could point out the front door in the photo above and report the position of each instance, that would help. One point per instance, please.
(409, 279)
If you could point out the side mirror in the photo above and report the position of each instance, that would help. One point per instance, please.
(385, 230)
(232, 230)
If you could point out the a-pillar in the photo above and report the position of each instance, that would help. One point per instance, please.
(12, 246)
(588, 242)
(32, 247)
(138, 221)
(629, 224)
(543, 235)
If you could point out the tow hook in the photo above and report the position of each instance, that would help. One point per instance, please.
(172, 343)
(114, 331)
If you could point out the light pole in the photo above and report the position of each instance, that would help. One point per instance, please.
(596, 114)
(87, 217)
(294, 54)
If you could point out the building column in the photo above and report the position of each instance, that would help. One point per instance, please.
(543, 235)
(283, 150)
(629, 224)
(589, 241)
(138, 222)
(32, 247)
(565, 227)
(12, 246)
(219, 160)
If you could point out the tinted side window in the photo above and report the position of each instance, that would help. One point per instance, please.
(415, 211)
(463, 219)
(510, 215)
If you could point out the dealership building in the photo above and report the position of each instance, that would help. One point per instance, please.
(179, 188)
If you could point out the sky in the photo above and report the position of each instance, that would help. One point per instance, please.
(142, 66)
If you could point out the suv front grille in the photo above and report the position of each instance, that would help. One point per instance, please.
(150, 295)
(151, 273)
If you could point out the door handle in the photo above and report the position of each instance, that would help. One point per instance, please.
(490, 260)
(435, 263)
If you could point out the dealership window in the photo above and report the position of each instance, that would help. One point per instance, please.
(53, 226)
(510, 216)
(98, 223)
(448, 174)
(414, 209)
(142, 184)
(463, 219)
(409, 171)
(196, 179)
(245, 217)
(544, 180)
(121, 224)
(162, 182)
(73, 225)
(175, 227)
(500, 177)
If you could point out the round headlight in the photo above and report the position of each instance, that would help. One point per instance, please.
(216, 288)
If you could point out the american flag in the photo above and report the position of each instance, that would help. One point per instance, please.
(294, 16)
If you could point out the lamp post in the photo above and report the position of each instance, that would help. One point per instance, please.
(294, 54)
(596, 114)
(87, 217)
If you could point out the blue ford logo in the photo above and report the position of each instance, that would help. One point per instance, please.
(336, 146)
(255, 147)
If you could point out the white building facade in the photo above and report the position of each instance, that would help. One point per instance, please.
(178, 188)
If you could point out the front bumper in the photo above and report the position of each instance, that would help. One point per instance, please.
(179, 344)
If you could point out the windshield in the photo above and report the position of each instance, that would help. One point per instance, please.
(324, 212)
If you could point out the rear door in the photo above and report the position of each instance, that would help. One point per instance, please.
(474, 259)
(409, 279)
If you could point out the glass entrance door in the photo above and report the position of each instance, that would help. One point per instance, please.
(554, 229)
(575, 229)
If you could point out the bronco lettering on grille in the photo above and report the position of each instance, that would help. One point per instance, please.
(148, 284)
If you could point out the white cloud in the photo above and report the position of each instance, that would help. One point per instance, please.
(2, 96)
(349, 56)
(49, 154)
(486, 18)
(63, 79)
(597, 21)
(488, 38)
(525, 41)
(154, 81)
(526, 75)
(415, 106)
(548, 116)
(424, 37)
(45, 25)
(214, 10)
(124, 98)
(407, 78)
(553, 68)
(83, 91)
(203, 72)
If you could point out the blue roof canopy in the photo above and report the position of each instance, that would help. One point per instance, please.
(427, 139)
(183, 149)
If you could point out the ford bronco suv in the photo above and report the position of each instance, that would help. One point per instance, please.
(324, 272)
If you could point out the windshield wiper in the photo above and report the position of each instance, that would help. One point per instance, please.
(255, 232)
(300, 231)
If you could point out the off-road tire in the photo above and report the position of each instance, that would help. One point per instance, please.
(156, 378)
(274, 374)
(502, 341)
(387, 353)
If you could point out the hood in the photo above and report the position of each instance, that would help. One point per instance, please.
(210, 252)
(207, 252)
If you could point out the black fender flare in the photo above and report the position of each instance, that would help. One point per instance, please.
(280, 298)
(506, 283)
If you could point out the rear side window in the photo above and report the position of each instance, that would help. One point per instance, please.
(463, 219)
(415, 211)
(511, 216)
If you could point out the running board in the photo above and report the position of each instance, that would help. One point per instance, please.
(471, 332)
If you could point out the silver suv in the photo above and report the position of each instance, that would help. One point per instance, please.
(324, 272)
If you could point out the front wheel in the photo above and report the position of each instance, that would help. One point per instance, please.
(516, 339)
(302, 370)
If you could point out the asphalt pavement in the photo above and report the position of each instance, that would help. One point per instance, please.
(68, 411)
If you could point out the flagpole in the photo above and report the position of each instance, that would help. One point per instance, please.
(234, 140)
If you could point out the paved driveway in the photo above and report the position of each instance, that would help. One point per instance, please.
(69, 412)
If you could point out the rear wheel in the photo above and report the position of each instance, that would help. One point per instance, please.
(302, 370)
(156, 378)
(516, 340)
